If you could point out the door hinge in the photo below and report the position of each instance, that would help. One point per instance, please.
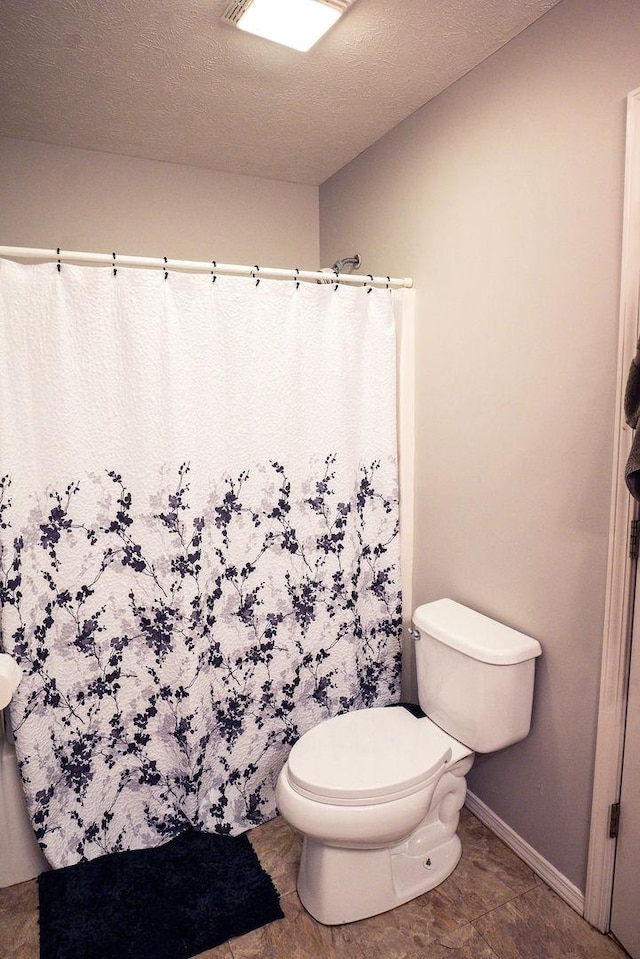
(634, 539)
(614, 820)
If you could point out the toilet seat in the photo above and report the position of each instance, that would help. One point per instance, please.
(370, 756)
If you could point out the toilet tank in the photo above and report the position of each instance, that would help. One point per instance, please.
(475, 675)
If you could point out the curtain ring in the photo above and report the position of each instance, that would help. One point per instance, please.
(215, 267)
(370, 282)
(115, 271)
(256, 268)
(166, 272)
(297, 280)
(59, 265)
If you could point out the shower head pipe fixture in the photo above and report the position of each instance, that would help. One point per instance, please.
(338, 268)
(354, 261)
(166, 265)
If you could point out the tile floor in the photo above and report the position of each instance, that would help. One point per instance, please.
(492, 907)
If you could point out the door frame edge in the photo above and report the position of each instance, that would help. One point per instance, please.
(618, 617)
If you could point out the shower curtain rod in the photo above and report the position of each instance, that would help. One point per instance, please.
(197, 266)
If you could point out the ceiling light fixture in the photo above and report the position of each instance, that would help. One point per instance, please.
(294, 23)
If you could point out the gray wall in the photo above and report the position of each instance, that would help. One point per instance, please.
(82, 200)
(503, 198)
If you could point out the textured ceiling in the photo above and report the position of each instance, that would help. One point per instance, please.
(169, 80)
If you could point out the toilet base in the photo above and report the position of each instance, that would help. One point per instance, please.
(338, 884)
(343, 885)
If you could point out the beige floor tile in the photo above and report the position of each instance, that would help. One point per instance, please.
(278, 848)
(297, 936)
(406, 931)
(515, 916)
(464, 943)
(539, 925)
(19, 929)
(220, 952)
(489, 873)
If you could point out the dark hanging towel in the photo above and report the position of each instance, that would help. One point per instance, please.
(632, 417)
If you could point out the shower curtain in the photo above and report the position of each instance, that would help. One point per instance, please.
(199, 547)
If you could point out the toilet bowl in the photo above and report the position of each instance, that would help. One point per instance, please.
(377, 793)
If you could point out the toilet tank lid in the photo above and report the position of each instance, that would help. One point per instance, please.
(473, 634)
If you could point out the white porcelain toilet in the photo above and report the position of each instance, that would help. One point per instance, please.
(377, 793)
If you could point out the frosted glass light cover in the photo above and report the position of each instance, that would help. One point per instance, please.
(294, 23)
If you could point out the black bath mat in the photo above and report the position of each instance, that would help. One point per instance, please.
(172, 902)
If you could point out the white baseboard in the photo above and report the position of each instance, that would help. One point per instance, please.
(573, 896)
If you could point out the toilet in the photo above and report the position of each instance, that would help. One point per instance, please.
(377, 793)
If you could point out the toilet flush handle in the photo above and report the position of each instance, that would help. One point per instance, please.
(414, 633)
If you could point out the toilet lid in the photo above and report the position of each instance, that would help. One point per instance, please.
(369, 756)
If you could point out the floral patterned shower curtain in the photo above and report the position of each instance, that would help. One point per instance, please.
(199, 551)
